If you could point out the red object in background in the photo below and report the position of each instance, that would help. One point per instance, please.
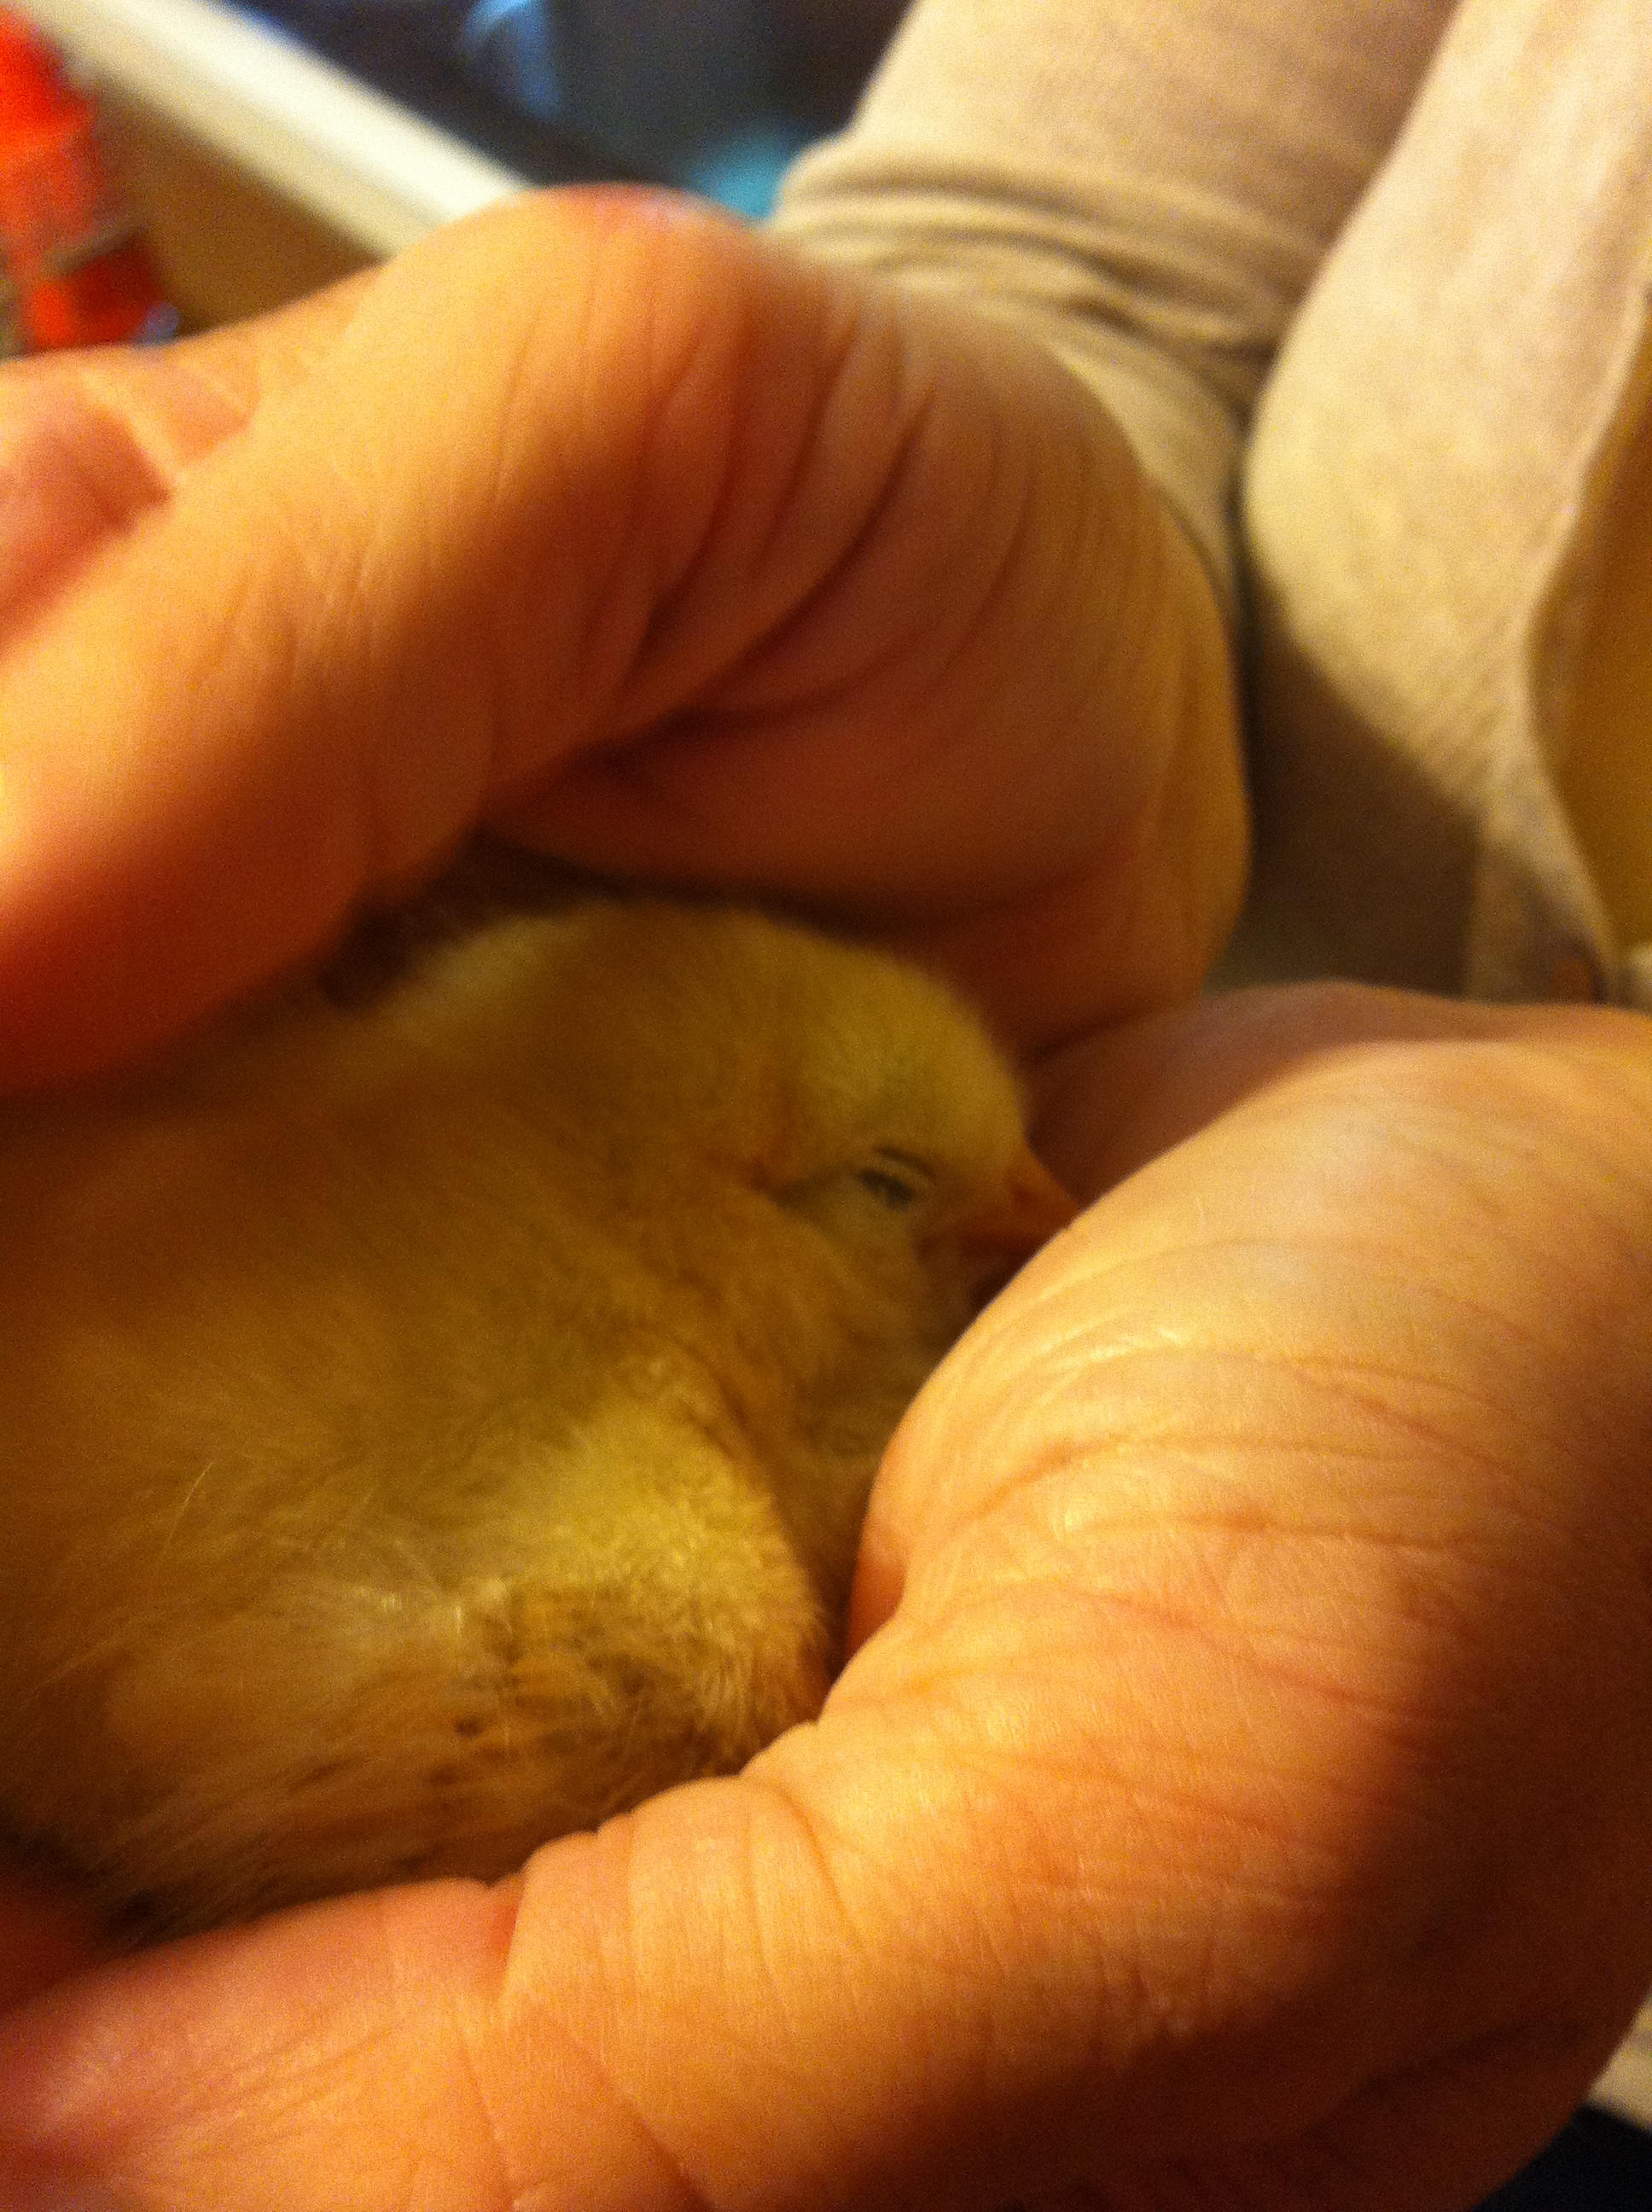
(70, 241)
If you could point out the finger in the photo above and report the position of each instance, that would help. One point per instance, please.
(1059, 825)
(405, 2116)
(90, 441)
(1118, 1098)
(883, 1970)
(419, 574)
(716, 568)
(699, 2006)
(278, 686)
(422, 572)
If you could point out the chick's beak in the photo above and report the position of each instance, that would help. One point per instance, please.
(1025, 1213)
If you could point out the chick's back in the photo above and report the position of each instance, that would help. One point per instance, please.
(433, 1427)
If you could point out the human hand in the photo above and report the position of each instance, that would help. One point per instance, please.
(1241, 1790)
(602, 519)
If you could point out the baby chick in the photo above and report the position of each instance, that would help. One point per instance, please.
(429, 1427)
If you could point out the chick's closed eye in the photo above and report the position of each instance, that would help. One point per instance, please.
(435, 1424)
(876, 1192)
(895, 1179)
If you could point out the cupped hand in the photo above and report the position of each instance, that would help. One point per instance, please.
(603, 519)
(1240, 1792)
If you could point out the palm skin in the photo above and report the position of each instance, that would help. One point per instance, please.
(1238, 1794)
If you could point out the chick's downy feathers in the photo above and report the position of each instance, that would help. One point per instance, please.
(432, 1427)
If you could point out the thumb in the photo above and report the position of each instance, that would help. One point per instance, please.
(700, 2004)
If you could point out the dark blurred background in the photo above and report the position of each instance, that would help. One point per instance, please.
(713, 94)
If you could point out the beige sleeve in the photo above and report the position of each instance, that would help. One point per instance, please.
(1150, 189)
(1431, 483)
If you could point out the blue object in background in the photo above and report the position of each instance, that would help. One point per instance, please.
(653, 80)
(713, 96)
(515, 47)
(744, 172)
(676, 85)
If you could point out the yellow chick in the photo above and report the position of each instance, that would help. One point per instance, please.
(430, 1427)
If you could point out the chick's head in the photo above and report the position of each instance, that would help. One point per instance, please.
(705, 1047)
(823, 1153)
(439, 1423)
